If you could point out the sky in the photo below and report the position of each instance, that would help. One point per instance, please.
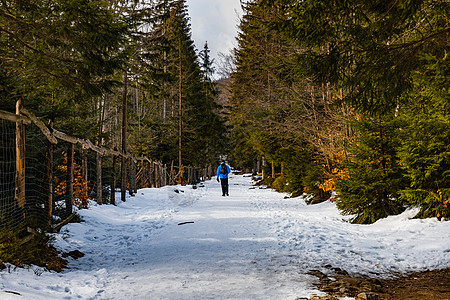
(216, 22)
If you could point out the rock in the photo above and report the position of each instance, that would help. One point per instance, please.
(340, 271)
(74, 254)
(318, 274)
(367, 296)
(326, 297)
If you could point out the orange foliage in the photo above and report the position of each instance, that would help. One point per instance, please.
(445, 202)
(179, 177)
(80, 186)
(329, 185)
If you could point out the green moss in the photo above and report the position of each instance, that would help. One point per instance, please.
(17, 248)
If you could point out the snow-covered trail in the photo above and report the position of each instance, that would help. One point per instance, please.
(223, 254)
(252, 245)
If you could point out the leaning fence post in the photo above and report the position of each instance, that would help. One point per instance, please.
(99, 178)
(69, 198)
(134, 176)
(141, 175)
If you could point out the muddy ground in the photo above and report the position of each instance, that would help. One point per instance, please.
(430, 285)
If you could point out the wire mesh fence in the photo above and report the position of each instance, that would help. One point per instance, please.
(10, 214)
(45, 173)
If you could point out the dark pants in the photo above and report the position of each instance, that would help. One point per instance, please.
(224, 184)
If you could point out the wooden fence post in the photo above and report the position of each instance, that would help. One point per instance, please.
(99, 179)
(134, 176)
(69, 198)
(156, 175)
(123, 174)
(130, 177)
(171, 175)
(141, 179)
(150, 175)
(49, 175)
(113, 180)
(84, 164)
(165, 175)
(20, 161)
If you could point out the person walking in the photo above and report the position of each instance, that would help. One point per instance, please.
(222, 172)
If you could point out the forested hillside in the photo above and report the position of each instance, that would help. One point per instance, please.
(327, 96)
(347, 96)
(92, 67)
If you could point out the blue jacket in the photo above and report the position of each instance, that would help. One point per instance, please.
(220, 175)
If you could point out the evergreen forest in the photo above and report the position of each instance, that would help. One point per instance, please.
(342, 100)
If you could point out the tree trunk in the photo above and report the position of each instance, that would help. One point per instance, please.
(180, 109)
(258, 166)
(99, 179)
(262, 168)
(123, 186)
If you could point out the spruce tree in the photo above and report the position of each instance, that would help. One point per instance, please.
(180, 94)
(275, 109)
(373, 52)
(425, 149)
(374, 175)
(57, 55)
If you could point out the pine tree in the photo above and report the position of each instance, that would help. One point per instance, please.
(425, 149)
(61, 45)
(58, 56)
(374, 175)
(185, 120)
(372, 51)
(276, 111)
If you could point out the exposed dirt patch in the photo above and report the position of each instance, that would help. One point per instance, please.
(426, 285)
(429, 285)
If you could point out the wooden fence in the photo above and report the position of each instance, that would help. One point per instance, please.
(136, 172)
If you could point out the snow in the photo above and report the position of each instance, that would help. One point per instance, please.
(254, 244)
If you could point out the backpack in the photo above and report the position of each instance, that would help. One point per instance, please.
(223, 169)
